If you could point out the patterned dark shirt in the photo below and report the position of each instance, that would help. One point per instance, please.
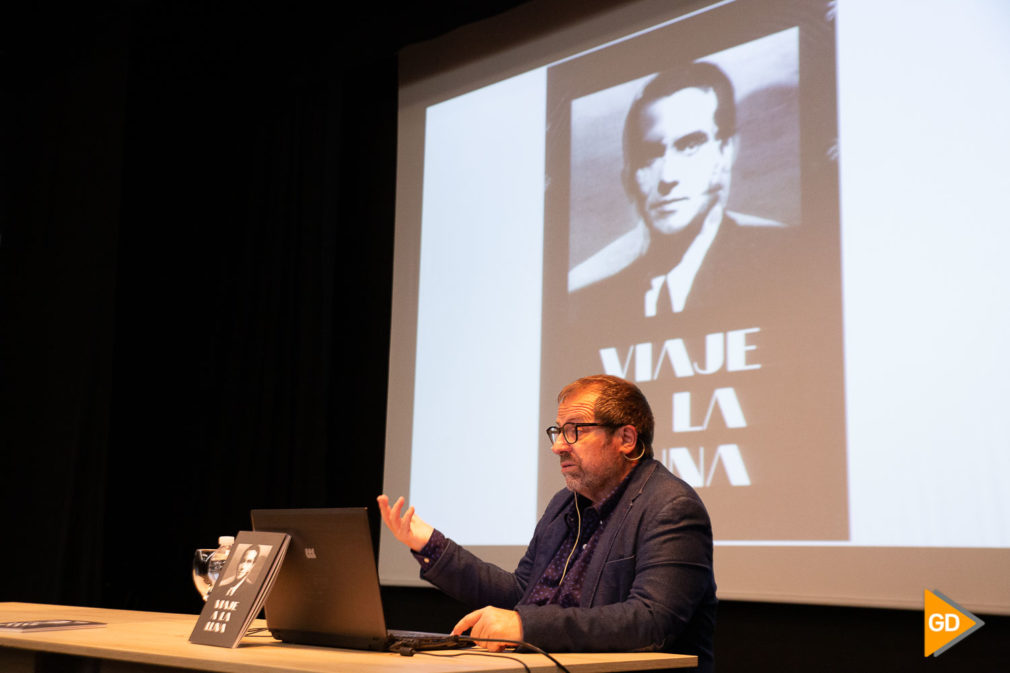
(562, 581)
(562, 586)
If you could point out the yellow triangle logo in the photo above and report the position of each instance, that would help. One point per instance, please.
(946, 623)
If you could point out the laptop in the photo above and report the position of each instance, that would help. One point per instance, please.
(327, 590)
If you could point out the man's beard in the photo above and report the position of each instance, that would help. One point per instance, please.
(580, 482)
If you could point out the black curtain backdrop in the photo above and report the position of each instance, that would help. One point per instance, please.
(196, 230)
(196, 258)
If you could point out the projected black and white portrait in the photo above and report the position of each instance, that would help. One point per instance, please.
(663, 227)
(696, 266)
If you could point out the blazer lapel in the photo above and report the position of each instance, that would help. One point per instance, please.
(555, 534)
(613, 530)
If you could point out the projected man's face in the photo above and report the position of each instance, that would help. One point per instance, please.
(679, 170)
(593, 465)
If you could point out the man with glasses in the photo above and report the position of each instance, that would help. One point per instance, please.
(621, 559)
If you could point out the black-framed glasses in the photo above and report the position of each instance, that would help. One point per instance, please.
(570, 431)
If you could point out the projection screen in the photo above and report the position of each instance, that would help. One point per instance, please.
(833, 377)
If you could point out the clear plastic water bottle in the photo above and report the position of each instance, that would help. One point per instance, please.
(208, 564)
(220, 558)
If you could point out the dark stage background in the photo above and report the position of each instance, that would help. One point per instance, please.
(196, 267)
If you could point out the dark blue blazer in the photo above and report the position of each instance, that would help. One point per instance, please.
(648, 587)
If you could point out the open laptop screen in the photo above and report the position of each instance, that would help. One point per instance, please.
(327, 591)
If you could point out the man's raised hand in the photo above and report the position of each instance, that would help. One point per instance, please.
(408, 528)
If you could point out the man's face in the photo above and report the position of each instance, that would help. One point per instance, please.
(245, 566)
(680, 169)
(593, 465)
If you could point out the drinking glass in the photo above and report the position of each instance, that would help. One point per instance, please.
(205, 571)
